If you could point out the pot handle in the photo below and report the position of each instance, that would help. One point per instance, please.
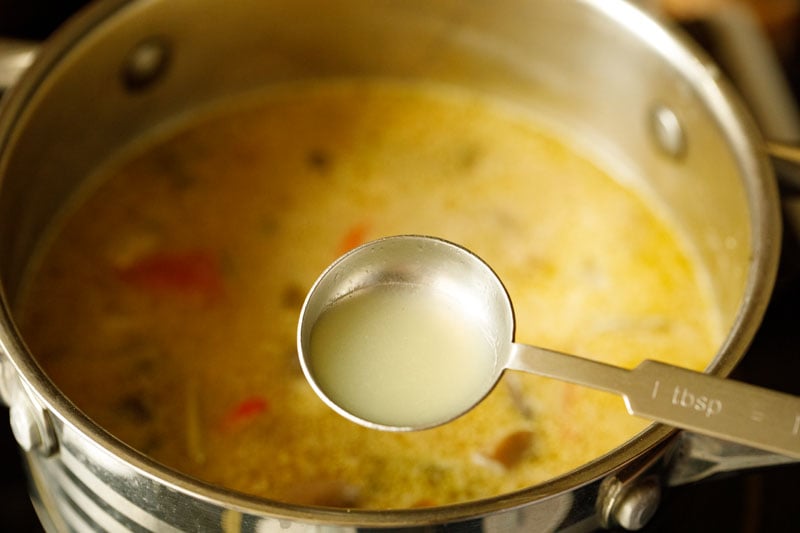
(695, 457)
(752, 63)
(15, 57)
(786, 161)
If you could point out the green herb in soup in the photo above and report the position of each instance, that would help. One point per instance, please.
(165, 304)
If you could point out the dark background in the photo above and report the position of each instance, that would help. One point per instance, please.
(35, 19)
(766, 500)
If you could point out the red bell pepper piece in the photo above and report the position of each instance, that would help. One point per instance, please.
(187, 273)
(244, 411)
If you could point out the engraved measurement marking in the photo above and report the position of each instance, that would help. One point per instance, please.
(683, 397)
(655, 388)
(796, 427)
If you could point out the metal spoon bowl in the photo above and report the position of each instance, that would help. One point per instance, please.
(406, 378)
(418, 265)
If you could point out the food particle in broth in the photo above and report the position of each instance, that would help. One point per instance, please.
(165, 301)
(400, 357)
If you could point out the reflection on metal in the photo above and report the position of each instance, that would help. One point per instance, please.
(15, 57)
(667, 131)
(146, 63)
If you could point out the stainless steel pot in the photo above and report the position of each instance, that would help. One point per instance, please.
(624, 87)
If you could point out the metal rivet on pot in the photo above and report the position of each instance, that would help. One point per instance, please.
(5, 381)
(667, 131)
(146, 63)
(30, 423)
(637, 504)
(24, 427)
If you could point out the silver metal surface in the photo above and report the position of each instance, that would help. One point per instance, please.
(591, 68)
(15, 58)
(667, 131)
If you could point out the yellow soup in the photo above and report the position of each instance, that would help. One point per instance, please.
(165, 302)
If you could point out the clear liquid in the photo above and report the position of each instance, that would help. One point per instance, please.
(400, 356)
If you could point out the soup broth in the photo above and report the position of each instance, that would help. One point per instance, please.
(164, 303)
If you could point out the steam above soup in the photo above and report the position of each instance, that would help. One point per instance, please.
(165, 302)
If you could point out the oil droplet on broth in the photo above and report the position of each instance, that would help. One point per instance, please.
(401, 356)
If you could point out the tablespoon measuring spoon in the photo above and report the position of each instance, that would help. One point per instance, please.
(410, 332)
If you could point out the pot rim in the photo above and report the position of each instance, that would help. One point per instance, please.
(766, 231)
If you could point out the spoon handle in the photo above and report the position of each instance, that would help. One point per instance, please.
(723, 408)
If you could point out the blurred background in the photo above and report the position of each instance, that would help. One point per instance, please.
(757, 43)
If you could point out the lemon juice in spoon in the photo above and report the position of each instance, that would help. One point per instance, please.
(400, 357)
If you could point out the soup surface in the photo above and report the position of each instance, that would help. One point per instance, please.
(165, 301)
